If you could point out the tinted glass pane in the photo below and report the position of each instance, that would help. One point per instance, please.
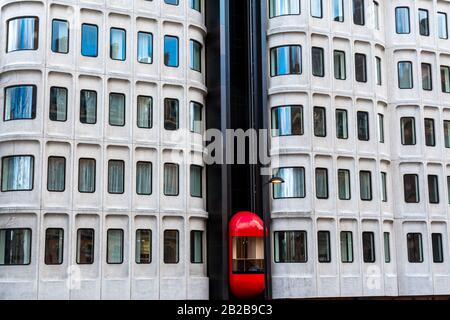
(294, 183)
(144, 178)
(89, 40)
(171, 246)
(116, 109)
(86, 175)
(88, 107)
(58, 104)
(171, 119)
(285, 60)
(15, 246)
(143, 246)
(20, 103)
(118, 44)
(290, 247)
(22, 34)
(145, 47)
(287, 120)
(56, 175)
(171, 51)
(17, 173)
(115, 246)
(60, 36)
(85, 246)
(54, 243)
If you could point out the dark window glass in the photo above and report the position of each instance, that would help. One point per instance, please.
(447, 133)
(144, 112)
(387, 247)
(85, 246)
(116, 109)
(384, 196)
(344, 184)
(144, 178)
(424, 23)
(86, 175)
(438, 251)
(196, 55)
(380, 128)
(430, 137)
(196, 246)
(408, 130)
(171, 2)
(89, 40)
(321, 183)
(17, 173)
(60, 36)
(405, 75)
(56, 174)
(196, 124)
(340, 72)
(415, 250)
(58, 104)
(171, 114)
(358, 12)
(341, 124)
(320, 122)
(20, 102)
(433, 189)
(363, 125)
(287, 120)
(54, 246)
(445, 79)
(290, 247)
(402, 24)
(143, 246)
(318, 67)
(15, 247)
(114, 246)
(88, 106)
(116, 178)
(171, 179)
(195, 5)
(378, 71)
(171, 51)
(324, 247)
(196, 181)
(369, 247)
(360, 67)
(171, 246)
(427, 79)
(285, 60)
(411, 188)
(365, 185)
(347, 246)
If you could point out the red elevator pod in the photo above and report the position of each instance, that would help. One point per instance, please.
(246, 255)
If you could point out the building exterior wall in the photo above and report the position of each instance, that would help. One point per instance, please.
(40, 137)
(380, 278)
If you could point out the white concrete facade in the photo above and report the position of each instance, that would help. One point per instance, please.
(398, 277)
(39, 209)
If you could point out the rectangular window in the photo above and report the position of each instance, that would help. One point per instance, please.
(287, 121)
(344, 184)
(339, 65)
(116, 109)
(17, 173)
(144, 112)
(433, 189)
(54, 246)
(15, 247)
(368, 247)
(85, 246)
(402, 24)
(378, 73)
(358, 12)
(196, 117)
(438, 251)
(316, 8)
(290, 247)
(88, 107)
(58, 104)
(171, 179)
(320, 122)
(360, 67)
(60, 36)
(442, 25)
(384, 195)
(56, 174)
(294, 183)
(114, 246)
(445, 79)
(380, 128)
(144, 178)
(20, 102)
(283, 7)
(424, 23)
(145, 47)
(86, 175)
(318, 67)
(321, 183)
(430, 137)
(411, 188)
(171, 2)
(89, 40)
(196, 55)
(22, 34)
(341, 124)
(363, 125)
(196, 181)
(196, 246)
(427, 79)
(116, 176)
(118, 44)
(405, 75)
(346, 246)
(195, 5)
(365, 185)
(337, 13)
(285, 60)
(408, 131)
(387, 247)
(171, 246)
(171, 114)
(447, 133)
(448, 189)
(414, 245)
(376, 15)
(171, 58)
(324, 246)
(143, 246)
